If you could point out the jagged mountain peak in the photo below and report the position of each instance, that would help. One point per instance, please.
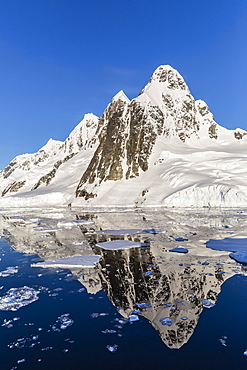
(161, 148)
(121, 96)
(51, 146)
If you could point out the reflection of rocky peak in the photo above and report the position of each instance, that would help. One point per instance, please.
(167, 290)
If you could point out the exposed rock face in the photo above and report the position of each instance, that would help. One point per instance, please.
(130, 129)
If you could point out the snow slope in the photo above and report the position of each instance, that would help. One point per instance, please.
(163, 148)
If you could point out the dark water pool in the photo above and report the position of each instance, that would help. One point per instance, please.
(68, 328)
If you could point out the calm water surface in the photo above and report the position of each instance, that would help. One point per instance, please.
(70, 319)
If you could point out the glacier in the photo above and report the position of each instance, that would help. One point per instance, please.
(160, 149)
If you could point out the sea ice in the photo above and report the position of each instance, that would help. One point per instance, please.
(143, 305)
(154, 231)
(119, 232)
(228, 245)
(179, 250)
(9, 271)
(112, 347)
(239, 256)
(16, 298)
(148, 273)
(62, 322)
(133, 318)
(120, 244)
(71, 223)
(166, 321)
(207, 303)
(86, 261)
(108, 331)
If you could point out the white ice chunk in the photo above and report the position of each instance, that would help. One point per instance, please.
(16, 298)
(120, 232)
(73, 261)
(120, 244)
(74, 223)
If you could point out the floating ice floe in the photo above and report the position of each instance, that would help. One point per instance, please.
(47, 229)
(228, 245)
(112, 347)
(63, 322)
(85, 261)
(16, 298)
(154, 231)
(239, 256)
(74, 223)
(120, 244)
(207, 303)
(119, 232)
(179, 250)
(166, 321)
(133, 318)
(148, 273)
(9, 271)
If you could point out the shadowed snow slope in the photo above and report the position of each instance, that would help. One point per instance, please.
(162, 148)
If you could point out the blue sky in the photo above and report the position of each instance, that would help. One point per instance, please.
(60, 59)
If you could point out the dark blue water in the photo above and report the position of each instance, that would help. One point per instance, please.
(33, 342)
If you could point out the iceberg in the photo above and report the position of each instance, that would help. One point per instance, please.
(120, 244)
(86, 261)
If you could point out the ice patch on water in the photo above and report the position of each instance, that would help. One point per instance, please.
(108, 331)
(112, 347)
(71, 223)
(16, 298)
(240, 257)
(29, 342)
(207, 303)
(133, 318)
(119, 232)
(9, 323)
(9, 271)
(83, 261)
(166, 321)
(62, 323)
(120, 244)
(99, 314)
(179, 250)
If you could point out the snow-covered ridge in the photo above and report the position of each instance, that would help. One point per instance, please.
(163, 148)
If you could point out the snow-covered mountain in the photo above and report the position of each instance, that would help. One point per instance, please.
(162, 148)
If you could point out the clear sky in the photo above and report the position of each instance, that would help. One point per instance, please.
(60, 59)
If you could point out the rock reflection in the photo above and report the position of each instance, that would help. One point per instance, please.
(169, 289)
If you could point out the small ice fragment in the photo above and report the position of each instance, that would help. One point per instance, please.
(143, 305)
(167, 305)
(20, 361)
(65, 350)
(148, 273)
(166, 321)
(15, 298)
(112, 347)
(207, 303)
(120, 244)
(179, 250)
(245, 353)
(133, 318)
(108, 331)
(222, 341)
(137, 312)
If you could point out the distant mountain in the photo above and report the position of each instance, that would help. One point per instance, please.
(162, 148)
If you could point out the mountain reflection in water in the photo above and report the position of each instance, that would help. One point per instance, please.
(149, 281)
